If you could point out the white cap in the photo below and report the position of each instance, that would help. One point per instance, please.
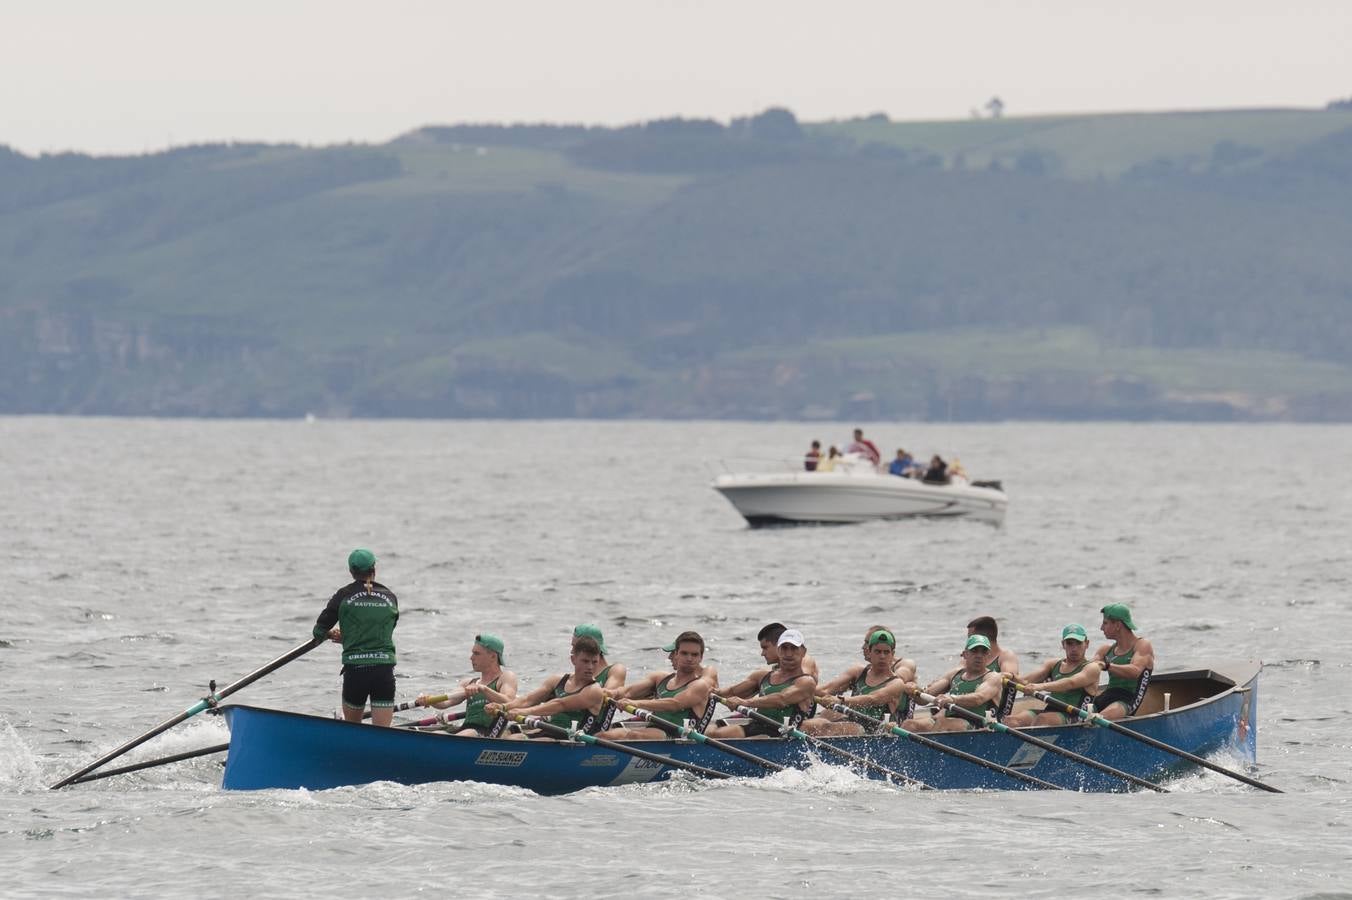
(792, 636)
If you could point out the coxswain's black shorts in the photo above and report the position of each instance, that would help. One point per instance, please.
(374, 682)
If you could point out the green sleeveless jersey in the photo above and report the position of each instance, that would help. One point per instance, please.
(861, 687)
(676, 716)
(1074, 697)
(962, 686)
(1117, 681)
(782, 713)
(568, 719)
(474, 706)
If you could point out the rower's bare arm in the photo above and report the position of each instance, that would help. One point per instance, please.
(988, 692)
(1009, 663)
(693, 698)
(645, 687)
(1087, 676)
(1034, 678)
(941, 685)
(803, 688)
(904, 669)
(810, 667)
(1143, 658)
(615, 680)
(841, 681)
(536, 696)
(506, 691)
(747, 686)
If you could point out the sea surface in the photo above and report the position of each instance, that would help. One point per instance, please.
(143, 558)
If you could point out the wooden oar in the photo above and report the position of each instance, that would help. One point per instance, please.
(1099, 720)
(940, 747)
(163, 760)
(205, 703)
(565, 734)
(697, 737)
(731, 703)
(980, 721)
(439, 698)
(432, 720)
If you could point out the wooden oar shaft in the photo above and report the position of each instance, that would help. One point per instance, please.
(943, 748)
(564, 733)
(818, 742)
(163, 760)
(199, 706)
(1099, 720)
(978, 719)
(403, 707)
(682, 731)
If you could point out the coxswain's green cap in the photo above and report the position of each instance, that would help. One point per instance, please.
(882, 636)
(491, 642)
(361, 560)
(1119, 612)
(670, 648)
(977, 640)
(1074, 633)
(593, 632)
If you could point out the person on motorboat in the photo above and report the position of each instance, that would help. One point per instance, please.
(903, 465)
(673, 696)
(612, 674)
(569, 699)
(1072, 679)
(1000, 659)
(864, 447)
(972, 685)
(937, 473)
(813, 456)
(1128, 662)
(956, 473)
(365, 613)
(829, 464)
(875, 690)
(786, 693)
(492, 684)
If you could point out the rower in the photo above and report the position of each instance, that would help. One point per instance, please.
(365, 612)
(875, 690)
(709, 673)
(673, 696)
(769, 647)
(1073, 679)
(611, 675)
(785, 693)
(1128, 662)
(971, 685)
(1000, 659)
(568, 700)
(493, 684)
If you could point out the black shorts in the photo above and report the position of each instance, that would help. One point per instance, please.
(375, 682)
(1115, 695)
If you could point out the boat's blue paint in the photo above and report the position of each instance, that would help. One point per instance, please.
(273, 749)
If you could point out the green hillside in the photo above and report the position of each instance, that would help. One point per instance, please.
(1181, 265)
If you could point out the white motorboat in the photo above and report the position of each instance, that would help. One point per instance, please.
(854, 490)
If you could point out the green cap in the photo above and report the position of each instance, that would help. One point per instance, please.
(670, 648)
(881, 636)
(361, 560)
(978, 640)
(593, 632)
(1120, 612)
(491, 642)
(1074, 633)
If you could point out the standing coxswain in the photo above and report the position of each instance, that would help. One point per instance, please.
(365, 613)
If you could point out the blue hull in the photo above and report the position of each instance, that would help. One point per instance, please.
(273, 749)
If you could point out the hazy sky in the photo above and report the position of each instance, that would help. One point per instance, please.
(142, 74)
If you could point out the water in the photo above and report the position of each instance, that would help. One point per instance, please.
(144, 558)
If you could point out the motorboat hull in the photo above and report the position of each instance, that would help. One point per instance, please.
(831, 498)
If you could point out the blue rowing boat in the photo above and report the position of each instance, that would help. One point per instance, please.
(1207, 711)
